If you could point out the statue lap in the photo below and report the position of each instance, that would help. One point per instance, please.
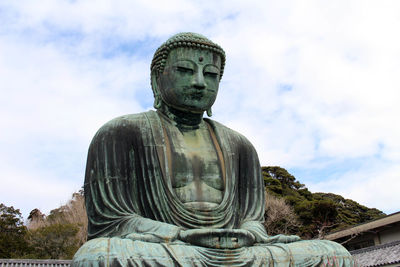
(117, 251)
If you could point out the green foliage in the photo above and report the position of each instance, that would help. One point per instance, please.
(349, 211)
(318, 213)
(61, 233)
(280, 217)
(55, 241)
(57, 236)
(12, 233)
(279, 176)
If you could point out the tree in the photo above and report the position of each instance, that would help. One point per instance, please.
(74, 212)
(61, 233)
(274, 175)
(12, 233)
(318, 213)
(317, 216)
(54, 241)
(349, 212)
(35, 219)
(280, 217)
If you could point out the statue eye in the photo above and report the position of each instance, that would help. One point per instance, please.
(184, 70)
(211, 74)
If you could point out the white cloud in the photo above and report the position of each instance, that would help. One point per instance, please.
(343, 65)
(375, 185)
(27, 189)
(52, 104)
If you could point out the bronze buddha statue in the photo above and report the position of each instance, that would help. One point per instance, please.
(171, 188)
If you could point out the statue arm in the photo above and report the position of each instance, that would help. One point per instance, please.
(113, 191)
(252, 202)
(144, 229)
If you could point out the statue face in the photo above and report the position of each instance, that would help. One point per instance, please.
(190, 79)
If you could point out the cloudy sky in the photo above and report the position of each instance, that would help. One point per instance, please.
(314, 85)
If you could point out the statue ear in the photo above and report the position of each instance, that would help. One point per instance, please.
(154, 83)
(209, 112)
(156, 92)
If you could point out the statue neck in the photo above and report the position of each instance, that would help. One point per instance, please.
(184, 120)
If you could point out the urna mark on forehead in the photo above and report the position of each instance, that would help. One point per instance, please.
(189, 40)
(202, 57)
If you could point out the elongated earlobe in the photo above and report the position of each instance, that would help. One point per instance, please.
(156, 93)
(209, 112)
(157, 102)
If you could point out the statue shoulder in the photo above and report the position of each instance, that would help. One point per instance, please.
(124, 125)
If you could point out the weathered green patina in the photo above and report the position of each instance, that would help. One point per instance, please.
(171, 188)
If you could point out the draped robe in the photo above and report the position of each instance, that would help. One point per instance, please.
(135, 217)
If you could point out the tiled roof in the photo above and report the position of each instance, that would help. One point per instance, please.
(34, 263)
(378, 255)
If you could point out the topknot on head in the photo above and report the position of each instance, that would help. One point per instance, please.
(184, 39)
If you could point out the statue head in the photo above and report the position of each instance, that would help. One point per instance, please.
(185, 73)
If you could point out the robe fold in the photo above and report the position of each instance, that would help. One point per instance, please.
(135, 217)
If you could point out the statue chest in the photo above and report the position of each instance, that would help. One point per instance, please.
(196, 174)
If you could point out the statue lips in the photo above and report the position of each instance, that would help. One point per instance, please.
(198, 95)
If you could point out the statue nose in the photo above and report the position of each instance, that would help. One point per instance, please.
(198, 80)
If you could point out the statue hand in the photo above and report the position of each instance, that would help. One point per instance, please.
(218, 238)
(281, 239)
(148, 238)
